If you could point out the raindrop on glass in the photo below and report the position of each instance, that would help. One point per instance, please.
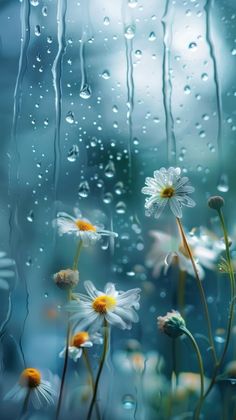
(84, 189)
(110, 169)
(129, 31)
(85, 92)
(73, 153)
(152, 36)
(223, 185)
(30, 216)
(128, 402)
(70, 118)
(106, 74)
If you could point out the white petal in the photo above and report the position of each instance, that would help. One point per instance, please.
(175, 207)
(91, 289)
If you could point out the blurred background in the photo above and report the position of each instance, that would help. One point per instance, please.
(96, 95)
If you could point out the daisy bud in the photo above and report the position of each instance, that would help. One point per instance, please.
(171, 324)
(66, 279)
(216, 202)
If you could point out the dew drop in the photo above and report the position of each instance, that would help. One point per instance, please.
(120, 207)
(106, 21)
(128, 402)
(233, 51)
(106, 74)
(152, 36)
(85, 92)
(223, 185)
(132, 3)
(73, 153)
(187, 89)
(84, 189)
(30, 216)
(204, 77)
(37, 30)
(70, 118)
(110, 170)
(192, 46)
(129, 31)
(34, 2)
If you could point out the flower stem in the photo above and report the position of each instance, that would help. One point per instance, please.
(199, 357)
(232, 304)
(91, 379)
(25, 405)
(77, 254)
(201, 290)
(102, 361)
(181, 291)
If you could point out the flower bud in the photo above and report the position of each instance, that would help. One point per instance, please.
(66, 279)
(171, 324)
(216, 202)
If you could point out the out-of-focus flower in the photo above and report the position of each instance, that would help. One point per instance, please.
(81, 227)
(171, 324)
(230, 369)
(166, 249)
(42, 392)
(66, 279)
(116, 307)
(137, 361)
(6, 271)
(190, 383)
(79, 341)
(167, 187)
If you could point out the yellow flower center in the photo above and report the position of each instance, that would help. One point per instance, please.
(30, 378)
(167, 192)
(79, 339)
(85, 226)
(103, 303)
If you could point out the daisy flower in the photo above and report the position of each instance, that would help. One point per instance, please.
(166, 249)
(80, 227)
(5, 270)
(41, 392)
(167, 187)
(79, 341)
(116, 307)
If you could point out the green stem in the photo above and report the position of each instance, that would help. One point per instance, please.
(91, 379)
(77, 254)
(231, 309)
(181, 291)
(64, 366)
(102, 361)
(199, 357)
(201, 290)
(25, 405)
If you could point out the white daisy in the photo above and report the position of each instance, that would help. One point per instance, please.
(82, 228)
(42, 392)
(116, 307)
(5, 270)
(167, 187)
(79, 341)
(166, 249)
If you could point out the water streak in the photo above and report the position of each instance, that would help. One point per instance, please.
(130, 95)
(167, 84)
(85, 89)
(15, 156)
(57, 74)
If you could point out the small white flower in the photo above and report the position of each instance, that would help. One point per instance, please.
(167, 187)
(42, 392)
(80, 340)
(116, 307)
(5, 270)
(205, 247)
(81, 227)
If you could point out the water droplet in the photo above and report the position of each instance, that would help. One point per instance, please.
(85, 92)
(120, 207)
(218, 339)
(110, 169)
(37, 30)
(73, 153)
(70, 117)
(204, 77)
(129, 31)
(128, 402)
(192, 46)
(132, 3)
(107, 198)
(187, 89)
(138, 53)
(223, 185)
(152, 36)
(106, 21)
(84, 189)
(106, 74)
(44, 11)
(46, 295)
(34, 2)
(233, 51)
(30, 216)
(115, 109)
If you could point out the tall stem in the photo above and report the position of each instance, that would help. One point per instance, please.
(199, 357)
(77, 254)
(64, 366)
(91, 379)
(201, 290)
(102, 361)
(232, 304)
